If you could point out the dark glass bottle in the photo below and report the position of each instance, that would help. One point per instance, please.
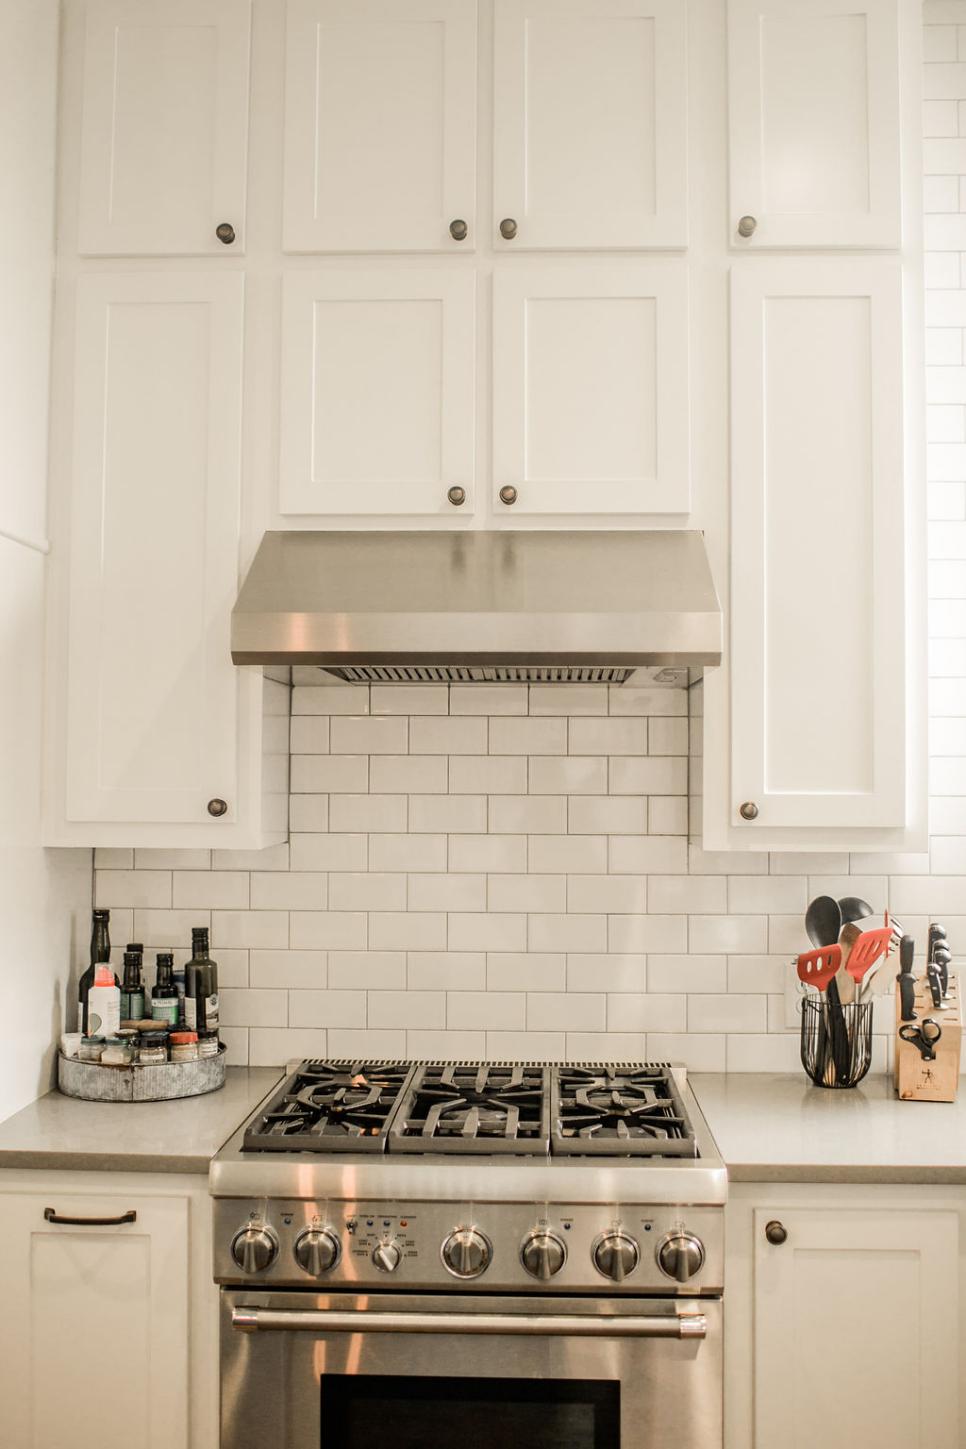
(100, 952)
(132, 990)
(201, 985)
(164, 993)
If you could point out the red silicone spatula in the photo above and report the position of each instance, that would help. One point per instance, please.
(866, 951)
(816, 968)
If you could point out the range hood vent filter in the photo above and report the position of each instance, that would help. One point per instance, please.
(477, 674)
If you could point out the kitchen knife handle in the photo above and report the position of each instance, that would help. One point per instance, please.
(907, 997)
(935, 985)
(907, 951)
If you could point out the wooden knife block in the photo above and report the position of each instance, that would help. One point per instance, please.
(937, 1081)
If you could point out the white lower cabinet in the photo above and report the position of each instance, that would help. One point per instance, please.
(842, 1317)
(112, 1319)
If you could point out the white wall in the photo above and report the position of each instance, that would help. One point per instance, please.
(44, 895)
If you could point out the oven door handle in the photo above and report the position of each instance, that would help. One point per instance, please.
(293, 1320)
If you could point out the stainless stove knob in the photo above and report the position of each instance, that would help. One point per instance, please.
(317, 1250)
(466, 1253)
(254, 1248)
(615, 1255)
(543, 1254)
(680, 1255)
(386, 1257)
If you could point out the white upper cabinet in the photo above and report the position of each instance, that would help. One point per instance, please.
(164, 127)
(817, 538)
(380, 125)
(590, 388)
(814, 109)
(152, 694)
(378, 391)
(590, 124)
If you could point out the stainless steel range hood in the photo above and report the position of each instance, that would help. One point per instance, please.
(554, 607)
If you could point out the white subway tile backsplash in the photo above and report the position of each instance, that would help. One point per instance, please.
(612, 894)
(407, 931)
(650, 1012)
(412, 1010)
(687, 973)
(566, 1011)
(330, 774)
(330, 852)
(378, 970)
(521, 892)
(291, 891)
(498, 853)
(692, 894)
(490, 700)
(447, 971)
(409, 774)
(486, 1010)
(328, 930)
(621, 736)
(367, 813)
(429, 735)
(309, 734)
(555, 932)
(526, 971)
(487, 775)
(368, 735)
(606, 814)
(491, 931)
(554, 775)
(270, 1046)
(408, 699)
(446, 892)
(568, 854)
(367, 891)
(297, 969)
(133, 888)
(528, 815)
(445, 814)
(327, 1008)
(647, 933)
(528, 736)
(407, 852)
(657, 775)
(606, 971)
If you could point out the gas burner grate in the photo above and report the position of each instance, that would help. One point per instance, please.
(619, 1110)
(330, 1107)
(474, 1107)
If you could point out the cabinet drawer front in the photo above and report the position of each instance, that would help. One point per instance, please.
(152, 692)
(378, 372)
(380, 125)
(587, 358)
(590, 126)
(814, 111)
(818, 601)
(164, 129)
(856, 1333)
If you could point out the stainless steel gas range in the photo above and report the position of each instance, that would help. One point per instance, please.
(494, 1254)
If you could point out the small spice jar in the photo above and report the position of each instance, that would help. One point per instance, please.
(117, 1052)
(207, 1044)
(90, 1049)
(153, 1048)
(184, 1046)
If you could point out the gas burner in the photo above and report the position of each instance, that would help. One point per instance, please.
(475, 1107)
(619, 1111)
(330, 1107)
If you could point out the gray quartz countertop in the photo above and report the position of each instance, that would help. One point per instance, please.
(772, 1128)
(180, 1136)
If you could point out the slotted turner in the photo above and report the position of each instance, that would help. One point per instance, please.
(867, 951)
(817, 968)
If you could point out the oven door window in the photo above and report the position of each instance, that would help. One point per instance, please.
(438, 1413)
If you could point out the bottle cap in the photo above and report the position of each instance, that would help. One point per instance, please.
(165, 958)
(103, 976)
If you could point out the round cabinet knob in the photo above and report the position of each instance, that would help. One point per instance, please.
(615, 1255)
(748, 811)
(456, 495)
(254, 1249)
(386, 1257)
(508, 494)
(746, 226)
(776, 1232)
(466, 1253)
(543, 1254)
(680, 1255)
(225, 233)
(217, 808)
(508, 228)
(317, 1250)
(458, 229)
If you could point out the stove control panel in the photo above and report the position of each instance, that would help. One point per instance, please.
(511, 1247)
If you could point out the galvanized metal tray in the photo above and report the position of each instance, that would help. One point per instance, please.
(160, 1083)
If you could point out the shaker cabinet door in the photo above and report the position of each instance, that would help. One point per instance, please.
(378, 391)
(380, 125)
(590, 388)
(100, 1349)
(814, 111)
(856, 1329)
(152, 694)
(818, 713)
(590, 124)
(164, 127)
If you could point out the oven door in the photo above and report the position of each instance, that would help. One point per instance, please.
(411, 1371)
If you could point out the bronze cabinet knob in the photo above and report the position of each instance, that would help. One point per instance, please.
(456, 495)
(776, 1232)
(746, 226)
(508, 494)
(748, 811)
(225, 233)
(458, 229)
(217, 807)
(508, 228)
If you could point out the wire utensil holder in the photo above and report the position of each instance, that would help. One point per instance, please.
(836, 1048)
